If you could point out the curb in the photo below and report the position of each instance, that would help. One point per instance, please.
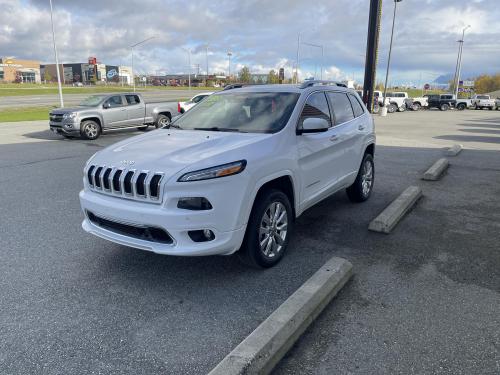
(269, 342)
(435, 172)
(454, 150)
(393, 213)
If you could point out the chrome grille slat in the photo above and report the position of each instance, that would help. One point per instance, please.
(110, 175)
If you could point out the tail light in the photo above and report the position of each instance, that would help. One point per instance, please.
(179, 107)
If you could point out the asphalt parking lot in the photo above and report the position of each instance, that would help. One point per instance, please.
(424, 299)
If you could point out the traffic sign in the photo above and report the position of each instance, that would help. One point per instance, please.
(427, 86)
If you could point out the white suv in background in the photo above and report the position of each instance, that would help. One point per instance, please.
(186, 106)
(232, 174)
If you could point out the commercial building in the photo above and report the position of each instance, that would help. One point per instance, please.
(87, 73)
(20, 71)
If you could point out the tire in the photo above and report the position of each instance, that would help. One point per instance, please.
(143, 128)
(402, 108)
(161, 121)
(392, 108)
(444, 107)
(416, 107)
(362, 187)
(252, 252)
(90, 130)
(461, 106)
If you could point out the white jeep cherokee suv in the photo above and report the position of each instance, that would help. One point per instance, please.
(233, 173)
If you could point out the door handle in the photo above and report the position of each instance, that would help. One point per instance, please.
(334, 138)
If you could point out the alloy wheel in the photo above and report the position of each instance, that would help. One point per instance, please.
(367, 177)
(91, 130)
(273, 229)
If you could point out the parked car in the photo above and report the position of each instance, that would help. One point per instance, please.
(186, 106)
(233, 173)
(419, 103)
(483, 101)
(396, 100)
(463, 104)
(102, 113)
(443, 101)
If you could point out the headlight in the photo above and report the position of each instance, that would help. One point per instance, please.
(69, 115)
(215, 172)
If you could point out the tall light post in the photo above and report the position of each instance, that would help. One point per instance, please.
(229, 54)
(383, 111)
(297, 62)
(322, 54)
(57, 58)
(189, 65)
(206, 56)
(459, 60)
(132, 47)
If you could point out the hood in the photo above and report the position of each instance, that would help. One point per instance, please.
(171, 150)
(59, 111)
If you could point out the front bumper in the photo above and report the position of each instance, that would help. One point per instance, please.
(68, 127)
(176, 222)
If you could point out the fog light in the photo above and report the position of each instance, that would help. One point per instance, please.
(194, 204)
(203, 235)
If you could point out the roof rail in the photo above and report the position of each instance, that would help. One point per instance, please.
(310, 83)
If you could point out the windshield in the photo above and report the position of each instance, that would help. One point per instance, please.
(91, 101)
(249, 112)
(482, 97)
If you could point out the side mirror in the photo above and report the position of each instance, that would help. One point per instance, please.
(314, 125)
(106, 105)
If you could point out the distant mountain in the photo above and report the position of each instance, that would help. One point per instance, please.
(444, 79)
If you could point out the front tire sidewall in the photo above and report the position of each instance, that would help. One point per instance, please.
(88, 135)
(250, 252)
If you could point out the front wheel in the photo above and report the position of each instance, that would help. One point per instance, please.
(444, 107)
(162, 121)
(90, 130)
(362, 187)
(402, 108)
(416, 106)
(268, 230)
(392, 108)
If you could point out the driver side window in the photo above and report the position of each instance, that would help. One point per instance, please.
(317, 107)
(114, 101)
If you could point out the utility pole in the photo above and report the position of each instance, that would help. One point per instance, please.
(206, 56)
(132, 47)
(383, 111)
(459, 61)
(229, 54)
(372, 52)
(61, 101)
(297, 64)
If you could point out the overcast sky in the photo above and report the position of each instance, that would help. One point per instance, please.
(261, 34)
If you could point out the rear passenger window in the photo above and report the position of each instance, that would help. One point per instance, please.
(342, 109)
(316, 106)
(356, 106)
(132, 99)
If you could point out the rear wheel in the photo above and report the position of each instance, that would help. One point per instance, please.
(392, 108)
(444, 107)
(416, 106)
(90, 130)
(402, 108)
(362, 187)
(461, 106)
(162, 121)
(268, 230)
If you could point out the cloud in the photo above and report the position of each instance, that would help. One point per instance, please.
(261, 34)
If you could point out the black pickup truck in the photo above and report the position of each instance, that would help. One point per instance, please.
(443, 102)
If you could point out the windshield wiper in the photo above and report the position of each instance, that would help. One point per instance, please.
(217, 129)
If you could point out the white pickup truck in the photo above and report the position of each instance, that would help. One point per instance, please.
(483, 101)
(396, 101)
(186, 106)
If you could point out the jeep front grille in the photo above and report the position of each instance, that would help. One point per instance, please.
(125, 183)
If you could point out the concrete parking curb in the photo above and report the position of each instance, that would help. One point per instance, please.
(454, 150)
(435, 172)
(390, 217)
(269, 342)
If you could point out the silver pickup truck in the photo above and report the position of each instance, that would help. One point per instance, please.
(101, 113)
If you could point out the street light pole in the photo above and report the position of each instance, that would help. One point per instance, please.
(459, 64)
(132, 47)
(57, 58)
(189, 65)
(206, 55)
(322, 55)
(383, 112)
(229, 54)
(297, 65)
